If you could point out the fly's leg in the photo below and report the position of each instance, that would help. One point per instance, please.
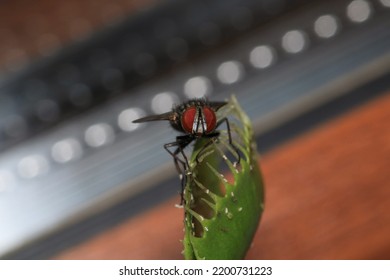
(176, 158)
(182, 166)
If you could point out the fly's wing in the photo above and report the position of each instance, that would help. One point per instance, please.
(217, 105)
(161, 117)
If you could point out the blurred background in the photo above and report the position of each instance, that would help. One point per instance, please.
(79, 180)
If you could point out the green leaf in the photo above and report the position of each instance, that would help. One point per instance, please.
(222, 212)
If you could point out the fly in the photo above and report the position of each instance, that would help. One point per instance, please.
(195, 119)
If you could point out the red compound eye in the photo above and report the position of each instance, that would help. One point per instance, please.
(187, 119)
(211, 119)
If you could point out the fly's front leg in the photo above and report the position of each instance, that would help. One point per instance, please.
(176, 158)
(181, 142)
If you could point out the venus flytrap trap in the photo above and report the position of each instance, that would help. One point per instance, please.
(222, 213)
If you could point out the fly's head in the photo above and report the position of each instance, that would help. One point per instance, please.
(198, 117)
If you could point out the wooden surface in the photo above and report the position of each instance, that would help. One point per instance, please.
(327, 197)
(31, 31)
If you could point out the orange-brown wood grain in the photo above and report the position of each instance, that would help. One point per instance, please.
(32, 29)
(327, 197)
